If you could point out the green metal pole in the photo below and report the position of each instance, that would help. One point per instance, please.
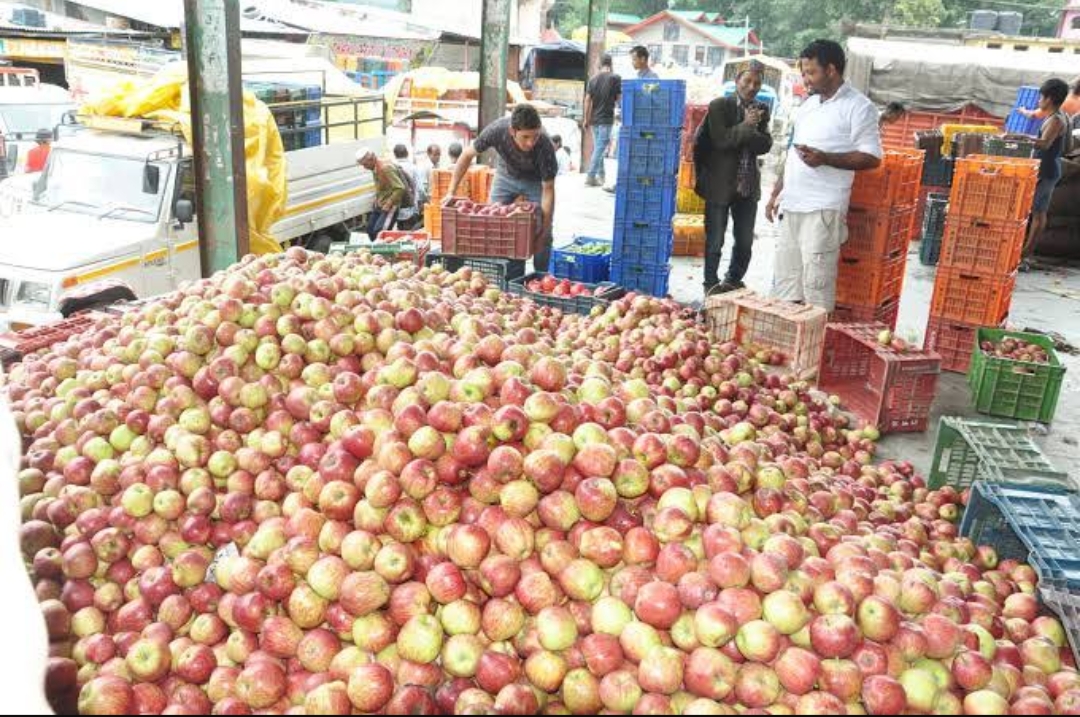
(212, 38)
(494, 46)
(594, 50)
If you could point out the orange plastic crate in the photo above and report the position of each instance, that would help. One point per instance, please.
(993, 188)
(954, 341)
(440, 185)
(796, 330)
(870, 281)
(433, 220)
(469, 234)
(479, 181)
(893, 184)
(883, 313)
(878, 232)
(688, 232)
(891, 389)
(687, 176)
(973, 299)
(982, 247)
(901, 134)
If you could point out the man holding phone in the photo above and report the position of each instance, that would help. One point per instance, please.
(836, 134)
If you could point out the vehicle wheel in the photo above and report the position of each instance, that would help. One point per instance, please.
(321, 243)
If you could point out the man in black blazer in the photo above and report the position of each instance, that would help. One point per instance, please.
(736, 134)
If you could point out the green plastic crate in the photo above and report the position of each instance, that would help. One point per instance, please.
(967, 451)
(1015, 389)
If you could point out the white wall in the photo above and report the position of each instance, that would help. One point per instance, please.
(654, 35)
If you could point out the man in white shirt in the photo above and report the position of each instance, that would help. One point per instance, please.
(836, 134)
(561, 155)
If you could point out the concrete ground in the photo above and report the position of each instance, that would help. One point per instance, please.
(1046, 300)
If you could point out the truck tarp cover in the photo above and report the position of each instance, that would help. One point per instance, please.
(165, 97)
(943, 78)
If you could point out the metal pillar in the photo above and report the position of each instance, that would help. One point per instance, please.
(494, 46)
(594, 50)
(212, 38)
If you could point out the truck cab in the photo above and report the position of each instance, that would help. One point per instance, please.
(115, 209)
(25, 109)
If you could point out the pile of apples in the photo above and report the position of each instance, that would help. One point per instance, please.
(469, 207)
(1015, 349)
(549, 284)
(328, 485)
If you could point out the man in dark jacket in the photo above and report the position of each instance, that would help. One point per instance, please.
(737, 133)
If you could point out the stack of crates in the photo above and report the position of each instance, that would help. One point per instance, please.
(649, 152)
(688, 224)
(936, 178)
(297, 111)
(980, 250)
(476, 185)
(874, 258)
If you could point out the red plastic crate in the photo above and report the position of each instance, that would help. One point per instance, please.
(893, 184)
(901, 134)
(884, 313)
(993, 188)
(421, 240)
(876, 233)
(511, 237)
(36, 338)
(982, 247)
(971, 299)
(954, 341)
(695, 114)
(797, 330)
(891, 389)
(869, 281)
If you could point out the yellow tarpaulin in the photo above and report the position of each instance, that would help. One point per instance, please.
(614, 38)
(165, 97)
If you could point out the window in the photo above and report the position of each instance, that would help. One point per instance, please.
(1075, 23)
(699, 54)
(656, 54)
(186, 186)
(680, 54)
(671, 31)
(716, 56)
(1020, 48)
(1057, 49)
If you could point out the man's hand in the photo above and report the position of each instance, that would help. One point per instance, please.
(810, 156)
(771, 209)
(449, 198)
(752, 117)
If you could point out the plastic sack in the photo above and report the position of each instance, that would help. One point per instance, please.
(165, 98)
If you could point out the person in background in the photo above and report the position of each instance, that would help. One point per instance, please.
(527, 168)
(434, 156)
(562, 154)
(836, 134)
(738, 133)
(407, 215)
(389, 192)
(601, 95)
(639, 58)
(1049, 148)
(893, 112)
(454, 152)
(38, 155)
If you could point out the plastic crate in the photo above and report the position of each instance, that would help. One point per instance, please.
(1027, 97)
(694, 116)
(313, 135)
(313, 114)
(1037, 524)
(891, 389)
(874, 233)
(582, 304)
(567, 262)
(950, 131)
(688, 235)
(869, 281)
(971, 298)
(981, 247)
(1015, 389)
(645, 199)
(417, 245)
(648, 152)
(967, 451)
(953, 341)
(653, 103)
(965, 144)
(929, 141)
(642, 278)
(1017, 147)
(687, 174)
(893, 184)
(898, 135)
(35, 338)
(433, 220)
(510, 237)
(440, 185)
(641, 242)
(1056, 595)
(797, 330)
(933, 228)
(498, 272)
(993, 188)
(886, 313)
(480, 181)
(938, 172)
(687, 201)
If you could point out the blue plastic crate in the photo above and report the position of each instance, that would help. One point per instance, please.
(1028, 98)
(1035, 524)
(313, 135)
(314, 114)
(569, 263)
(642, 242)
(643, 278)
(653, 103)
(645, 152)
(648, 199)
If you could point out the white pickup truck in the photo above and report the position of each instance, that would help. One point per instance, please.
(113, 217)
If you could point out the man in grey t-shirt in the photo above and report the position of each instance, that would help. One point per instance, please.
(527, 168)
